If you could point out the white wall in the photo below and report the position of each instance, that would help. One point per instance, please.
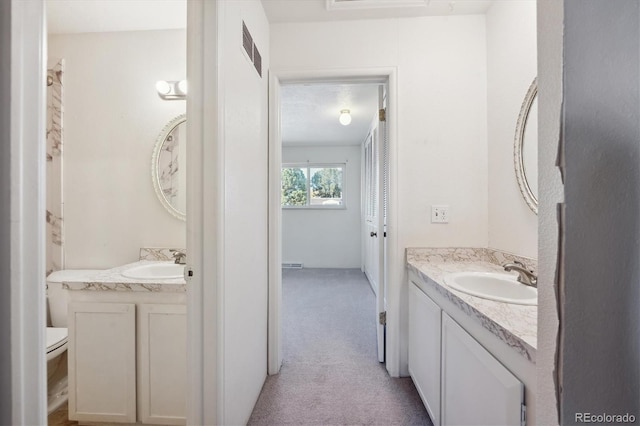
(113, 116)
(325, 238)
(550, 63)
(511, 67)
(245, 143)
(442, 127)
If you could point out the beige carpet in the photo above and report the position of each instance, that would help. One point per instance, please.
(330, 374)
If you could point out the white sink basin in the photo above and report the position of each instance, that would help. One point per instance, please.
(151, 271)
(493, 286)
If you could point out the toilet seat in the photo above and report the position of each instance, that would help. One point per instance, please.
(56, 341)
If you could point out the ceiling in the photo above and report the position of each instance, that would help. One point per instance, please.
(309, 113)
(317, 10)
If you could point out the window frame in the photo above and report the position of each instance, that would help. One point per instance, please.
(309, 166)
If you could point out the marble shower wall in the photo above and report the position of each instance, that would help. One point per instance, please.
(55, 240)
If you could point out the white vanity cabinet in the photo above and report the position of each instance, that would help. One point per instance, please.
(162, 364)
(127, 361)
(476, 388)
(459, 381)
(102, 362)
(424, 349)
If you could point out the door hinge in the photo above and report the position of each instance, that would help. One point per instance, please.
(523, 415)
(382, 114)
(382, 318)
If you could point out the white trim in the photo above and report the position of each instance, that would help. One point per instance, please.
(204, 214)
(395, 258)
(27, 186)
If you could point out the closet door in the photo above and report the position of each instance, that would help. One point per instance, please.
(102, 362)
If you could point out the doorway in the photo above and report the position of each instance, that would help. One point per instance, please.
(279, 250)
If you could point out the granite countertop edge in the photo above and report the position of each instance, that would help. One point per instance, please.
(477, 259)
(113, 280)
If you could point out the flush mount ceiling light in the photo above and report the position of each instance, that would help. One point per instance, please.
(345, 117)
(172, 90)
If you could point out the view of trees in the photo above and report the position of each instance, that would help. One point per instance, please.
(325, 183)
(294, 187)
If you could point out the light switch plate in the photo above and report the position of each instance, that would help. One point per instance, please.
(440, 214)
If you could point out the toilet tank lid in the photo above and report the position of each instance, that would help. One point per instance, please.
(70, 275)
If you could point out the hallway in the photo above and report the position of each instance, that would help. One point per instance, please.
(330, 373)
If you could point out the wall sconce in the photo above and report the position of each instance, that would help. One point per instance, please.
(345, 117)
(172, 90)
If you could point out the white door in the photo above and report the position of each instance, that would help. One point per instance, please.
(374, 213)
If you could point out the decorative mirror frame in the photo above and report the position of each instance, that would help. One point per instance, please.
(523, 184)
(155, 178)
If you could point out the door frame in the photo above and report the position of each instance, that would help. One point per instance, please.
(25, 388)
(278, 77)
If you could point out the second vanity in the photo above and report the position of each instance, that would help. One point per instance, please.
(470, 358)
(127, 346)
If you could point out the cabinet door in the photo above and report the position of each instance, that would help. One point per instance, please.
(102, 362)
(162, 364)
(424, 349)
(476, 388)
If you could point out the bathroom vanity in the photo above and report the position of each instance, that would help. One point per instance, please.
(127, 347)
(470, 358)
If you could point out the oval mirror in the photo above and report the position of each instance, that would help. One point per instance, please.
(526, 148)
(168, 170)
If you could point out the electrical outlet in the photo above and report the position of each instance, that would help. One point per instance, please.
(440, 214)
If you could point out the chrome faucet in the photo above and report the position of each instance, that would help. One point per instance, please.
(525, 275)
(179, 256)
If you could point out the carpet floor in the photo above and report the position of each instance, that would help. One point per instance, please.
(330, 373)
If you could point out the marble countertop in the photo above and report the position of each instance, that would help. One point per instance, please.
(113, 280)
(516, 325)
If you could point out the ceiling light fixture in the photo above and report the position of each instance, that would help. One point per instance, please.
(345, 117)
(172, 90)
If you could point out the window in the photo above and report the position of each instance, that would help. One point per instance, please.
(313, 186)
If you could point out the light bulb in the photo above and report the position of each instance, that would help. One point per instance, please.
(163, 87)
(182, 86)
(345, 117)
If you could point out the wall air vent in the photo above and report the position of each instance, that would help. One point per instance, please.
(251, 49)
(257, 60)
(247, 40)
(292, 265)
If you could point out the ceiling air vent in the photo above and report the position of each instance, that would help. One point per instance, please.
(251, 49)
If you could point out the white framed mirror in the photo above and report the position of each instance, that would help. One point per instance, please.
(526, 148)
(168, 171)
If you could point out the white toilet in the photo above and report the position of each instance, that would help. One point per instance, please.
(57, 335)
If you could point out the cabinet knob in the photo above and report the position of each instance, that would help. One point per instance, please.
(373, 234)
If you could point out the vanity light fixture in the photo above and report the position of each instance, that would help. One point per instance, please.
(345, 117)
(172, 90)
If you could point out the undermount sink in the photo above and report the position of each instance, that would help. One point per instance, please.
(493, 286)
(155, 271)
